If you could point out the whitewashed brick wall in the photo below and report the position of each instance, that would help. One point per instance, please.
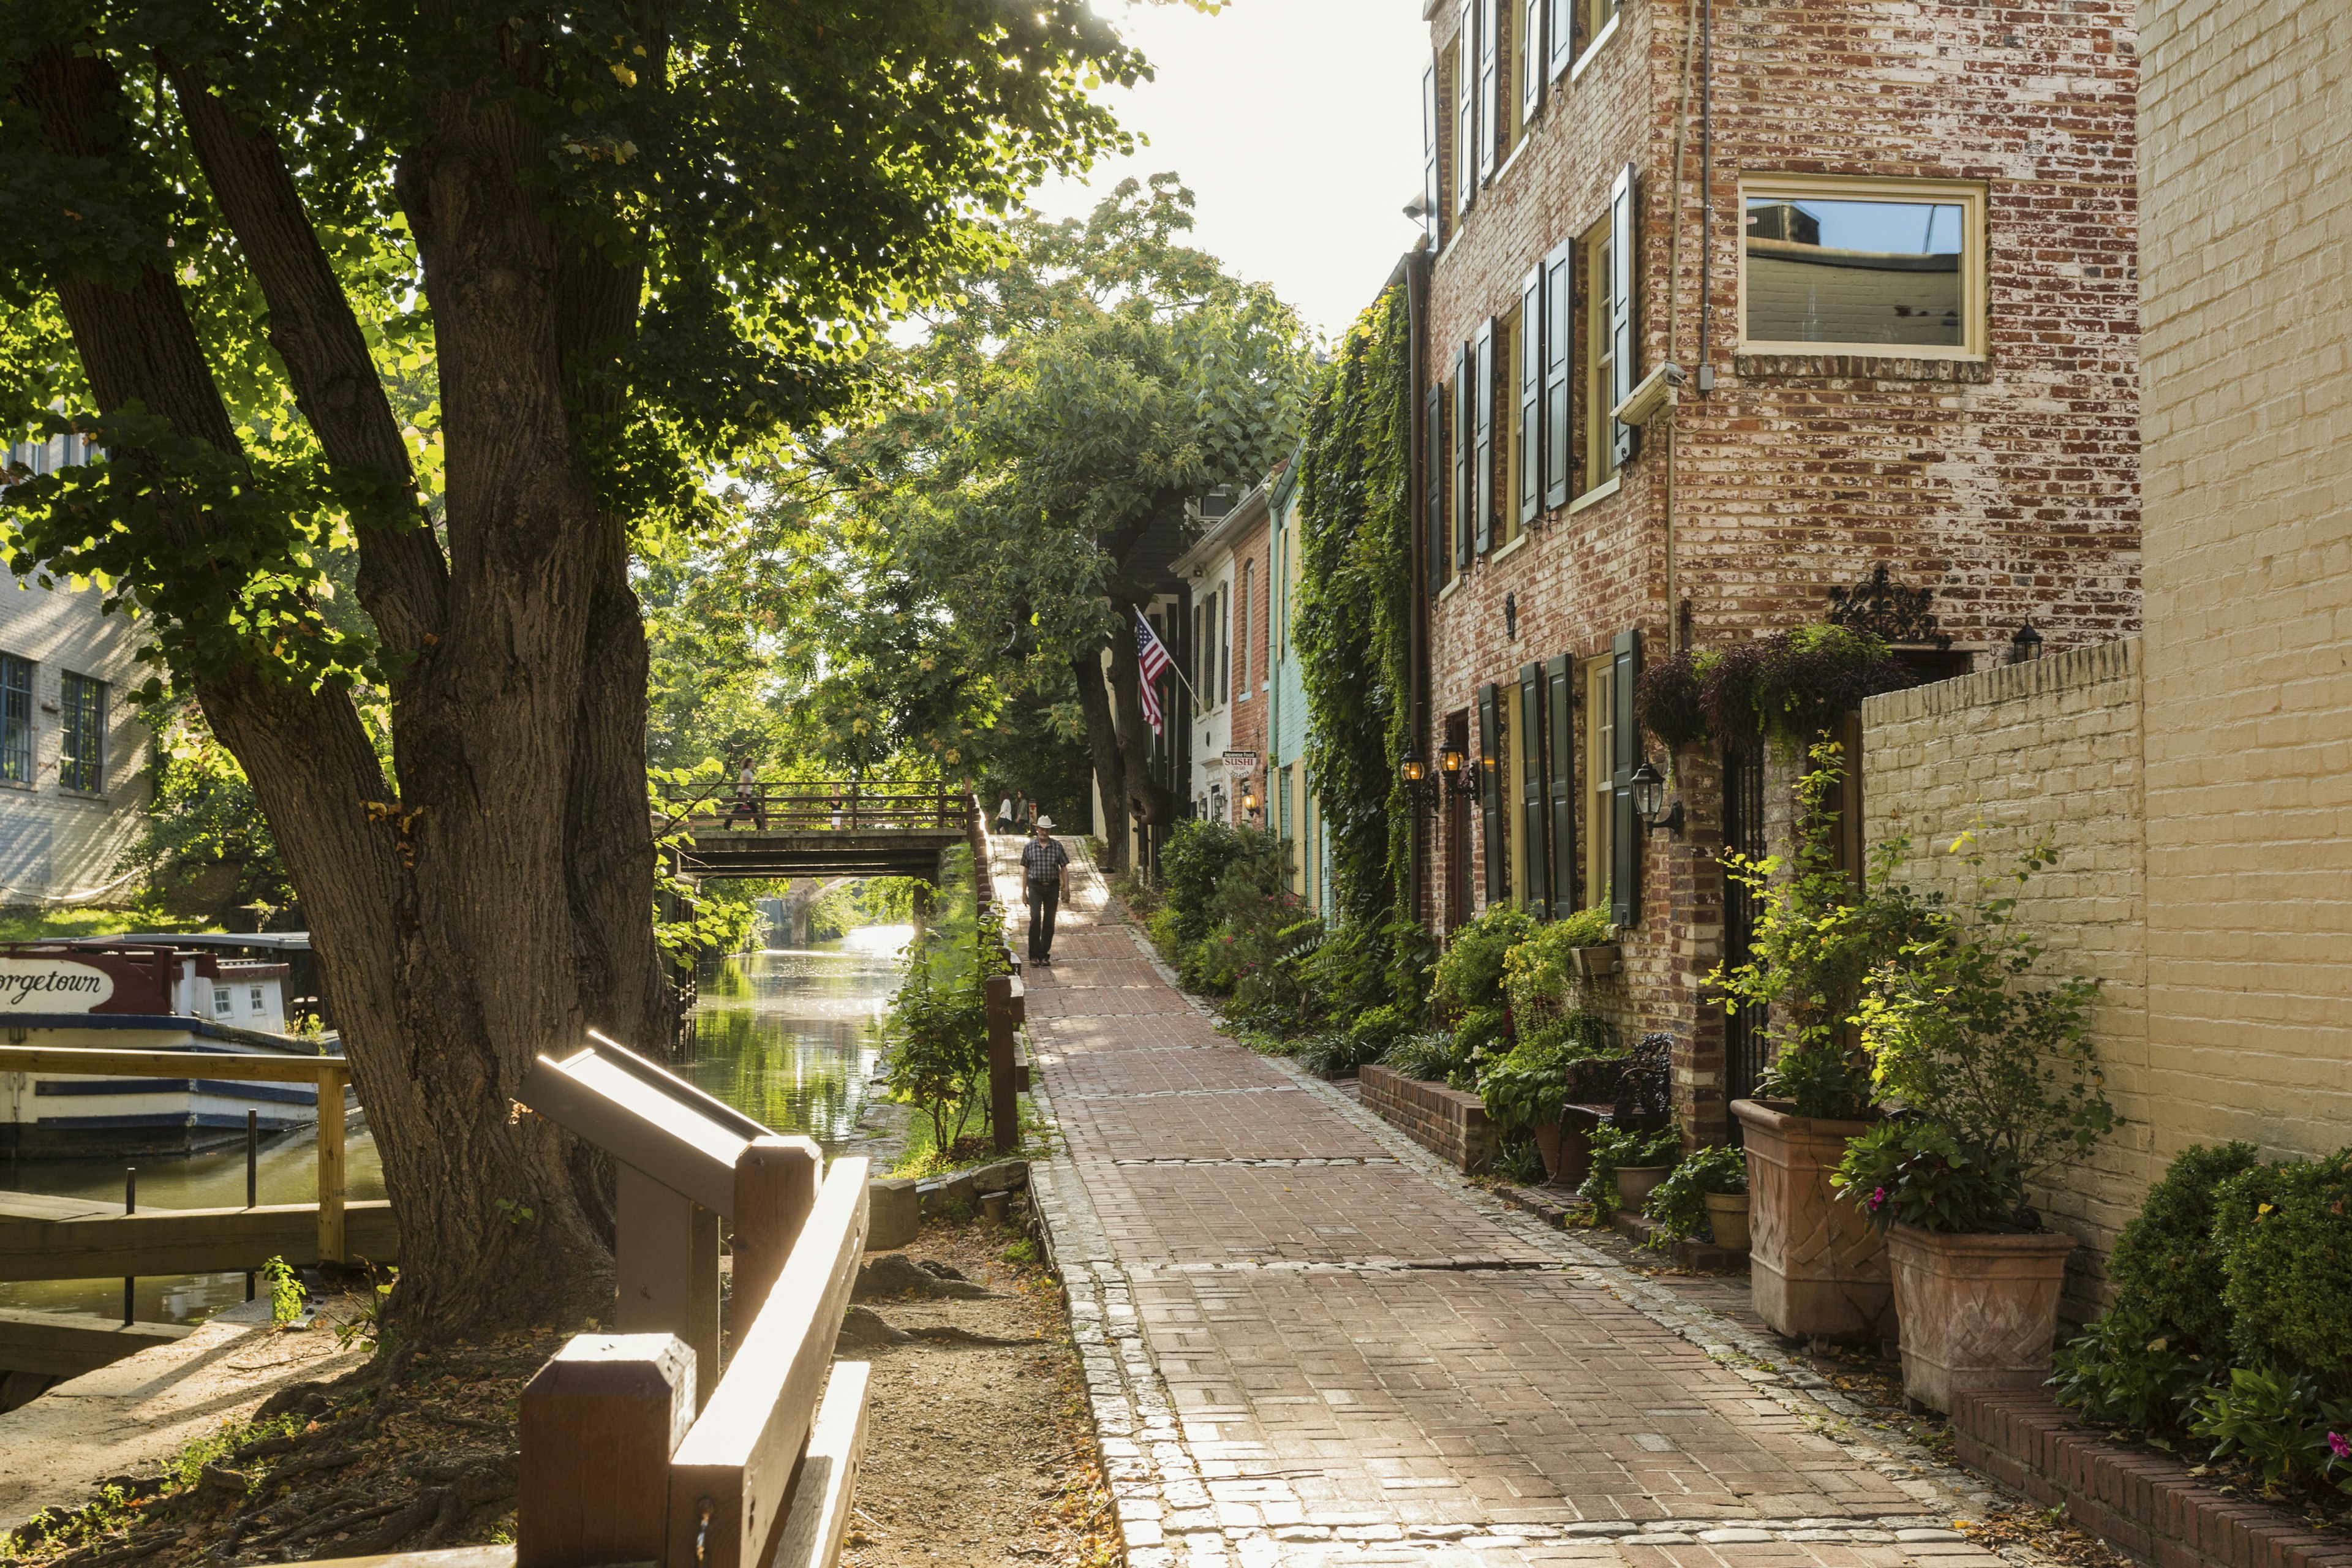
(54, 843)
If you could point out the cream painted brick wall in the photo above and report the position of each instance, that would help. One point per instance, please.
(2014, 755)
(2246, 303)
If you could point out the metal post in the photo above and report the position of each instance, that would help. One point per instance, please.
(252, 1176)
(130, 1206)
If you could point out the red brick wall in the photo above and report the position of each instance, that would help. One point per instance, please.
(2009, 487)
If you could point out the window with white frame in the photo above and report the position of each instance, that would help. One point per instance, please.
(258, 1000)
(1889, 267)
(222, 1006)
(81, 753)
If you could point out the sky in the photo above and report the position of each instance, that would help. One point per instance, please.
(1296, 123)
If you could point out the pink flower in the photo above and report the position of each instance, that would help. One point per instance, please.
(2338, 1446)
(1877, 1197)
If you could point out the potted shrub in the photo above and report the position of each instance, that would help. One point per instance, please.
(1707, 1193)
(1525, 1090)
(1627, 1163)
(1998, 1079)
(1818, 1269)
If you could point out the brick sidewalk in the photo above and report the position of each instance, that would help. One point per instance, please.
(1309, 1344)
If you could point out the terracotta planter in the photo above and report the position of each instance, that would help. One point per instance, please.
(1814, 1263)
(1727, 1216)
(1591, 963)
(1979, 1311)
(1636, 1182)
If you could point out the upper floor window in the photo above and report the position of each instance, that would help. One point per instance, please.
(16, 718)
(222, 1007)
(1891, 267)
(1249, 582)
(81, 757)
(259, 999)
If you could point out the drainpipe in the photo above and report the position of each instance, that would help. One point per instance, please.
(1674, 320)
(1413, 271)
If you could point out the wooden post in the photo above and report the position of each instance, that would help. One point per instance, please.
(600, 1422)
(1003, 1111)
(665, 1267)
(331, 1164)
(775, 1187)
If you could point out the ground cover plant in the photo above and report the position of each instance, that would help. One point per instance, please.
(1679, 1202)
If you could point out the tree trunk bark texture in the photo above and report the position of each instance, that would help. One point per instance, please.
(492, 899)
(1110, 763)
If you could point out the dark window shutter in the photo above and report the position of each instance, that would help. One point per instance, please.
(1563, 36)
(1465, 110)
(1224, 645)
(1490, 792)
(1559, 353)
(1560, 756)
(1626, 830)
(1482, 459)
(1529, 47)
(1625, 257)
(1531, 399)
(1465, 494)
(1432, 219)
(1490, 88)
(1533, 807)
(1433, 482)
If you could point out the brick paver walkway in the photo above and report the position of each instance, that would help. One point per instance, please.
(1308, 1343)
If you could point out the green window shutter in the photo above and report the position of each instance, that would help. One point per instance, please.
(1482, 458)
(1624, 257)
(1531, 397)
(1626, 831)
(1533, 807)
(1558, 351)
(1560, 750)
(1465, 495)
(1490, 88)
(1490, 792)
(1433, 482)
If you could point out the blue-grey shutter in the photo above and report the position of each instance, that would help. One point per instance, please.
(1482, 459)
(1625, 257)
(1433, 217)
(1531, 397)
(1432, 483)
(1563, 36)
(1626, 830)
(1490, 87)
(1528, 50)
(1559, 753)
(1558, 355)
(1465, 494)
(1465, 110)
(1490, 792)
(1533, 808)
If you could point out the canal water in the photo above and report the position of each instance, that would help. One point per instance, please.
(789, 1038)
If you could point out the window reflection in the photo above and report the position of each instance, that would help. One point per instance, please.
(1827, 271)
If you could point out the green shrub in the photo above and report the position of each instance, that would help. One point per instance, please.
(1540, 977)
(1914, 1172)
(1481, 1038)
(2166, 1267)
(1469, 977)
(2286, 1249)
(1194, 863)
(2282, 1423)
(1679, 1202)
(1333, 1055)
(935, 1055)
(1613, 1146)
(2126, 1369)
(1165, 939)
(1429, 1056)
(1525, 1088)
(1375, 1029)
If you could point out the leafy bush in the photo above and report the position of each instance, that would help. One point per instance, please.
(1613, 1146)
(936, 1043)
(1520, 1163)
(1526, 1087)
(1914, 1172)
(2127, 1370)
(1469, 977)
(2287, 1246)
(1792, 686)
(1961, 1033)
(1194, 864)
(1814, 943)
(1428, 1056)
(1480, 1039)
(1333, 1055)
(2282, 1423)
(1162, 929)
(1679, 1202)
(1539, 981)
(2167, 1268)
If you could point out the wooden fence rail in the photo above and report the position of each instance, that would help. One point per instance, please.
(328, 1217)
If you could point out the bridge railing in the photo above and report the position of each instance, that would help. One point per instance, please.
(823, 807)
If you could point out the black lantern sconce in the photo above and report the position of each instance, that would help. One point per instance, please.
(1427, 791)
(1650, 801)
(2024, 643)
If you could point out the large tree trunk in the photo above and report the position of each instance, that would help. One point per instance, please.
(1102, 742)
(497, 902)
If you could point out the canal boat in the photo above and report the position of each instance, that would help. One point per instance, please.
(154, 995)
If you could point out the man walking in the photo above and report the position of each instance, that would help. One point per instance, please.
(1045, 874)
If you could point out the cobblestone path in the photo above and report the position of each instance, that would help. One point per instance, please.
(1308, 1341)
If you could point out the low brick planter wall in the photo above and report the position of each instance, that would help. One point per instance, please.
(2146, 1503)
(1446, 1121)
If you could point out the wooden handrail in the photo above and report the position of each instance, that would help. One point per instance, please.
(730, 1481)
(330, 1073)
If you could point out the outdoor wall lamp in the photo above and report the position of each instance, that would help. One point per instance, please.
(1419, 788)
(1650, 801)
(1249, 803)
(2024, 643)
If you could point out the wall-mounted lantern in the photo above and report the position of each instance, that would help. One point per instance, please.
(1650, 801)
(2024, 643)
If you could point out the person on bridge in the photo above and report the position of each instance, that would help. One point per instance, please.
(1045, 874)
(1004, 815)
(749, 799)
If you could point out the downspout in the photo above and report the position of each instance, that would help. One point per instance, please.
(1673, 324)
(1413, 271)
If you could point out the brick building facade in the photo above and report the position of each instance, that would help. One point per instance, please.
(1893, 246)
(1229, 573)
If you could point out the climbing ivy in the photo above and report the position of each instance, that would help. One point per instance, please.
(1354, 606)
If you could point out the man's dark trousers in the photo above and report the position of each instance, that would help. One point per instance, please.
(1044, 899)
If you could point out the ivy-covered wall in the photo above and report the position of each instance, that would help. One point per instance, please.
(1353, 626)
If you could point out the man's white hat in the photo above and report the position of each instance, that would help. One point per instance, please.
(1046, 823)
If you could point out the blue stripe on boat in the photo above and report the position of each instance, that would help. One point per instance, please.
(283, 1093)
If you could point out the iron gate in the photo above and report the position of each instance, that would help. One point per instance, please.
(1744, 1045)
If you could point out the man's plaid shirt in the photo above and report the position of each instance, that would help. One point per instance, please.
(1042, 860)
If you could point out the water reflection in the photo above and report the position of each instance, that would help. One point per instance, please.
(789, 1038)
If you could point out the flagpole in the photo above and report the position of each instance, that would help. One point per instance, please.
(1175, 666)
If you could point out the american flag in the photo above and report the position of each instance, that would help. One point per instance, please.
(1152, 654)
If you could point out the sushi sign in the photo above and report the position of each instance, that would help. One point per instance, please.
(52, 985)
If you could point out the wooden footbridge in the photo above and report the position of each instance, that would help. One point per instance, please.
(825, 829)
